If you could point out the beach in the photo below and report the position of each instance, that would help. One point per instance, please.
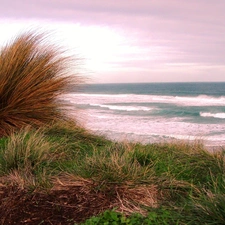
(153, 112)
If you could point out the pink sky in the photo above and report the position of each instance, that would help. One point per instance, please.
(130, 40)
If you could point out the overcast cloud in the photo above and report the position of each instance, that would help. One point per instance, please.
(172, 40)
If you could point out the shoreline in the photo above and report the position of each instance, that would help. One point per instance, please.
(144, 139)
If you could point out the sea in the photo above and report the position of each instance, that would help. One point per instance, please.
(152, 112)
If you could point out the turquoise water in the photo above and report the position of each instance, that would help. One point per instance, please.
(174, 89)
(153, 112)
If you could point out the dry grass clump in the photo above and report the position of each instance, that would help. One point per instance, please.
(32, 75)
(26, 180)
(136, 199)
(126, 198)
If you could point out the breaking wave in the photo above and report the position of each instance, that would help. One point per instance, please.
(123, 108)
(201, 100)
(214, 115)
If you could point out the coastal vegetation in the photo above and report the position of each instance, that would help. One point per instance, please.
(54, 171)
(32, 75)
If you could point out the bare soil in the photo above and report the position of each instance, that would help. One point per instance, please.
(64, 206)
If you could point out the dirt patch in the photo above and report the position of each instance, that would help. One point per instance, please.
(55, 207)
(71, 201)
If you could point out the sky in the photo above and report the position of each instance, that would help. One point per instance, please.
(129, 40)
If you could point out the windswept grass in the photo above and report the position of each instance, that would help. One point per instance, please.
(173, 183)
(210, 207)
(114, 164)
(32, 75)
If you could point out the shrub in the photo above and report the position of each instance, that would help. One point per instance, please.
(32, 76)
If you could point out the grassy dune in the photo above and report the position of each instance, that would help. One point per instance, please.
(125, 183)
(53, 171)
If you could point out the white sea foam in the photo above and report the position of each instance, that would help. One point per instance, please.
(99, 116)
(214, 115)
(152, 126)
(201, 100)
(123, 108)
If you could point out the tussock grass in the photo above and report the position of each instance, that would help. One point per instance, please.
(26, 150)
(24, 158)
(114, 164)
(32, 75)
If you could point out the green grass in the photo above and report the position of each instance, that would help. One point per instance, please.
(24, 157)
(159, 216)
(173, 183)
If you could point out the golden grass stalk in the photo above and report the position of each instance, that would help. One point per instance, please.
(25, 179)
(32, 76)
(136, 199)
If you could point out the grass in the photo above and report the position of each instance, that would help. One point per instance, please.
(171, 183)
(53, 171)
(24, 156)
(24, 151)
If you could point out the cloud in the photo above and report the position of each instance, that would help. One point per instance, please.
(157, 32)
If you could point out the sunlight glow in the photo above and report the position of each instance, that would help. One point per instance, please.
(98, 46)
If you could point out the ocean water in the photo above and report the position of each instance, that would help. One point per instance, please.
(153, 112)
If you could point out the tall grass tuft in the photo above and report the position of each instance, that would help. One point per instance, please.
(113, 164)
(25, 157)
(26, 150)
(211, 208)
(32, 75)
